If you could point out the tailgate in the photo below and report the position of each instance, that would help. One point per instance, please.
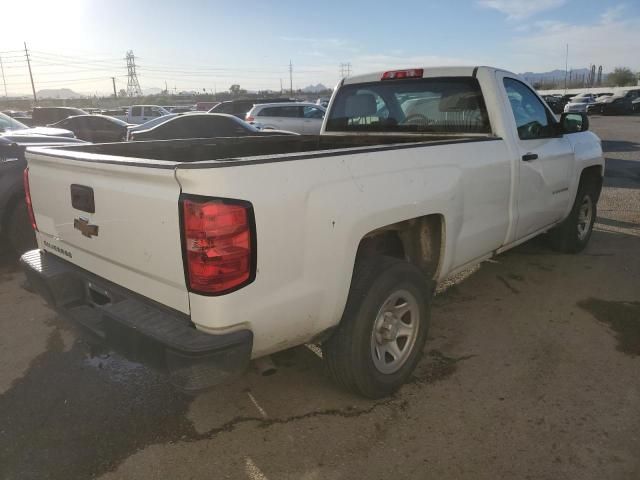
(133, 236)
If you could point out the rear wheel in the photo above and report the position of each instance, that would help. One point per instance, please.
(19, 231)
(383, 329)
(574, 233)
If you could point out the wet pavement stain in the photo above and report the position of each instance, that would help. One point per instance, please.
(438, 367)
(622, 317)
(75, 417)
(507, 284)
(80, 413)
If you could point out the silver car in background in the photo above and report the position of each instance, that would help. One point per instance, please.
(579, 104)
(299, 117)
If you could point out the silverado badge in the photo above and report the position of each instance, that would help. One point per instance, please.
(85, 227)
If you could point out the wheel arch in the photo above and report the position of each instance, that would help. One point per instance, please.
(420, 241)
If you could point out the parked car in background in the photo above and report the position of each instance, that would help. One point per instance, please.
(239, 108)
(15, 113)
(554, 103)
(603, 94)
(579, 104)
(115, 112)
(205, 106)
(95, 128)
(138, 114)
(632, 93)
(613, 105)
(15, 225)
(323, 101)
(151, 123)
(305, 118)
(199, 125)
(180, 109)
(47, 115)
(636, 105)
(15, 128)
(564, 99)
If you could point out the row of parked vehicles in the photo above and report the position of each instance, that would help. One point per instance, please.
(624, 102)
(66, 125)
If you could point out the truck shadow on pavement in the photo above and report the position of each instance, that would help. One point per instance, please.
(81, 412)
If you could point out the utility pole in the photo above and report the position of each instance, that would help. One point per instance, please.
(280, 86)
(3, 79)
(33, 87)
(291, 77)
(566, 68)
(115, 93)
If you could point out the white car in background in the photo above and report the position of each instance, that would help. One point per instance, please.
(299, 117)
(579, 104)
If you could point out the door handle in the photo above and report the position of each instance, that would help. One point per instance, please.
(527, 157)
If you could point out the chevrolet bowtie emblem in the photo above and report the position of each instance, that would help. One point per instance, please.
(85, 227)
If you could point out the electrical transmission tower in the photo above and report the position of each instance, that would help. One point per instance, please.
(133, 86)
(345, 70)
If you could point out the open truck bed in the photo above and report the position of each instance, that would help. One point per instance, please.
(248, 150)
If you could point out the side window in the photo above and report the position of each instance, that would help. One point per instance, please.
(151, 112)
(288, 111)
(223, 127)
(313, 112)
(269, 112)
(532, 118)
(136, 111)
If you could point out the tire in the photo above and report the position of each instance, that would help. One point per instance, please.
(19, 231)
(572, 236)
(358, 358)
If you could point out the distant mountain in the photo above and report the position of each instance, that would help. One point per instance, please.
(58, 93)
(315, 88)
(553, 75)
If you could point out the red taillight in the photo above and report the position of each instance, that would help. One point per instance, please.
(400, 74)
(249, 118)
(218, 245)
(27, 198)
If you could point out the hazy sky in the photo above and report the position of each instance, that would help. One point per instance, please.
(197, 44)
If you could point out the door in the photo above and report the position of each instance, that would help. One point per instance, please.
(545, 159)
(136, 115)
(271, 117)
(313, 117)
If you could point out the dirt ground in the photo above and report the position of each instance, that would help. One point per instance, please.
(531, 372)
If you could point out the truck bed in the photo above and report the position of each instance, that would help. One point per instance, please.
(231, 151)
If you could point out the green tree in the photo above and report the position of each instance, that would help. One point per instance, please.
(234, 89)
(622, 77)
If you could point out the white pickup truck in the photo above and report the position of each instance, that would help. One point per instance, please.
(203, 254)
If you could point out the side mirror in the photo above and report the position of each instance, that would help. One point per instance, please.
(574, 122)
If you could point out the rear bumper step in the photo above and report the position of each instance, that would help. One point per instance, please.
(138, 327)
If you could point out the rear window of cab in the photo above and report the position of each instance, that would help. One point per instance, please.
(439, 104)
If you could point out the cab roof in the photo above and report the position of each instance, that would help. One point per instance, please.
(428, 72)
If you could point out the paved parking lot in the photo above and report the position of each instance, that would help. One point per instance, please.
(531, 372)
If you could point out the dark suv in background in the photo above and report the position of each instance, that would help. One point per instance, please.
(46, 115)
